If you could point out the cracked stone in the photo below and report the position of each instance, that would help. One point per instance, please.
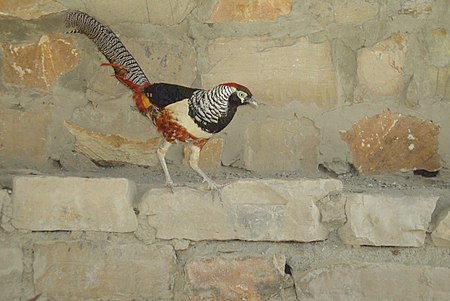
(392, 142)
(248, 11)
(114, 149)
(441, 235)
(39, 65)
(381, 71)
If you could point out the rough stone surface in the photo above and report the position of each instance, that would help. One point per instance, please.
(381, 70)
(29, 9)
(416, 8)
(39, 65)
(441, 86)
(6, 211)
(104, 271)
(297, 145)
(210, 156)
(278, 71)
(45, 203)
(114, 149)
(391, 142)
(387, 219)
(373, 281)
(23, 138)
(256, 210)
(144, 11)
(247, 11)
(11, 269)
(352, 12)
(441, 235)
(233, 279)
(438, 45)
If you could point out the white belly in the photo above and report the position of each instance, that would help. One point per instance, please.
(180, 112)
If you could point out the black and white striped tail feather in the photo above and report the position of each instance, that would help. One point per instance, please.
(107, 42)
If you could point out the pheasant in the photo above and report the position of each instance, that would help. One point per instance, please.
(181, 114)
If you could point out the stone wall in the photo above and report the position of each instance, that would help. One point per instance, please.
(319, 69)
(71, 238)
(350, 87)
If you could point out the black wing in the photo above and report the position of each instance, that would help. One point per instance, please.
(162, 94)
(108, 43)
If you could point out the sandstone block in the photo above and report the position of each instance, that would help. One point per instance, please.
(387, 219)
(11, 268)
(438, 45)
(297, 145)
(30, 9)
(352, 12)
(39, 65)
(392, 142)
(114, 149)
(6, 211)
(278, 71)
(46, 203)
(441, 235)
(416, 8)
(253, 210)
(247, 11)
(210, 156)
(381, 69)
(144, 11)
(233, 279)
(104, 271)
(24, 138)
(373, 281)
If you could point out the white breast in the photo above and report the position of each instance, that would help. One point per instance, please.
(180, 112)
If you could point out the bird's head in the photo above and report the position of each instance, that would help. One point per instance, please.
(241, 95)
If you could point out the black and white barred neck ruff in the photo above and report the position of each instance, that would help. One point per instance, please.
(210, 109)
(107, 42)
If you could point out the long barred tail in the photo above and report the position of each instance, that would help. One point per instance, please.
(109, 44)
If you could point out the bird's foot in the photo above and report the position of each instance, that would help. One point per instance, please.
(169, 183)
(216, 189)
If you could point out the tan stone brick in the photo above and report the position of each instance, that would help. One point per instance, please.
(247, 11)
(233, 279)
(441, 235)
(283, 145)
(11, 269)
(29, 9)
(210, 156)
(381, 70)
(438, 42)
(114, 149)
(416, 8)
(45, 203)
(24, 138)
(39, 65)
(392, 142)
(373, 281)
(387, 219)
(276, 71)
(104, 271)
(253, 210)
(352, 12)
(143, 11)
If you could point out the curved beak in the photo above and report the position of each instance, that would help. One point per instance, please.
(251, 101)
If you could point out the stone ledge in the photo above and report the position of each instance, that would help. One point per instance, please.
(253, 210)
(387, 219)
(47, 203)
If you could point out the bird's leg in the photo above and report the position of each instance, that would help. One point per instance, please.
(162, 150)
(193, 162)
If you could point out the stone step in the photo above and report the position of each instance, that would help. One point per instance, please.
(301, 210)
(48, 203)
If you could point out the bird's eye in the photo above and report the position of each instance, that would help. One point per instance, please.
(241, 95)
